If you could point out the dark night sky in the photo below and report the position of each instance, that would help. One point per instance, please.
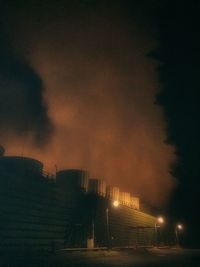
(114, 80)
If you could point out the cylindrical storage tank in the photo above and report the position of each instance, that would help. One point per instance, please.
(112, 192)
(12, 164)
(135, 203)
(124, 198)
(72, 180)
(97, 186)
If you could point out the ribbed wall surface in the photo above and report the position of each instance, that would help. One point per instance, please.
(124, 198)
(32, 217)
(112, 193)
(72, 180)
(97, 186)
(37, 213)
(127, 226)
(135, 203)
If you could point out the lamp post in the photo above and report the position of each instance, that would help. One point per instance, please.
(178, 228)
(159, 220)
(115, 204)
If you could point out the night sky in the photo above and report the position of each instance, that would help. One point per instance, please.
(108, 86)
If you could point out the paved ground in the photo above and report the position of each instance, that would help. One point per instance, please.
(127, 258)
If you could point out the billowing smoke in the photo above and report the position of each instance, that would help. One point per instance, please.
(23, 112)
(100, 88)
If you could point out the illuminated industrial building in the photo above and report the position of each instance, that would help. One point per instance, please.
(38, 212)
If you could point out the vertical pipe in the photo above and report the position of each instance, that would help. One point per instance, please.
(93, 230)
(177, 237)
(107, 228)
(156, 235)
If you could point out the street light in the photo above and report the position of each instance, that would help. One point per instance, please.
(159, 220)
(115, 204)
(178, 228)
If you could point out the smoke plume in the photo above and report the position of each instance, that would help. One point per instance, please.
(23, 112)
(100, 87)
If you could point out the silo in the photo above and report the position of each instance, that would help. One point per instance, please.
(72, 179)
(124, 198)
(12, 164)
(135, 203)
(112, 192)
(97, 186)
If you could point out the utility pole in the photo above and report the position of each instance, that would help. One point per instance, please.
(107, 228)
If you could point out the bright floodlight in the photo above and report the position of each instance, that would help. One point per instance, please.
(180, 227)
(160, 219)
(116, 203)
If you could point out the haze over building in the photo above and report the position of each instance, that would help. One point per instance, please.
(79, 92)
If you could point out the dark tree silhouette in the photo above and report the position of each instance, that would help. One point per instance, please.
(179, 56)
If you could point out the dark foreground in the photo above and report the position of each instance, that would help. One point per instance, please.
(125, 258)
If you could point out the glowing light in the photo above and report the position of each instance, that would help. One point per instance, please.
(180, 226)
(161, 220)
(116, 203)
